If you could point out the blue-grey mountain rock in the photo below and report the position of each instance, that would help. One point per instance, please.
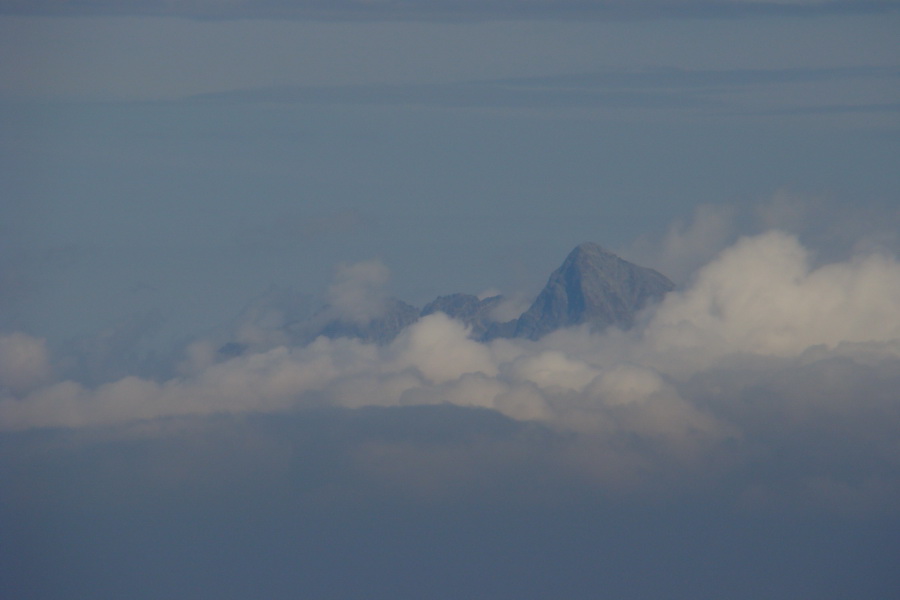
(474, 312)
(592, 286)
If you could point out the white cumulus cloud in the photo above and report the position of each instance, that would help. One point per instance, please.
(759, 352)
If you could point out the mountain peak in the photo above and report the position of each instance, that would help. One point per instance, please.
(589, 248)
(589, 251)
(589, 256)
(592, 286)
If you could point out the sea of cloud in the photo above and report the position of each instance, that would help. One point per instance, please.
(763, 360)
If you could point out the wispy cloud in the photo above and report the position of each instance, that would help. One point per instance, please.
(441, 9)
(706, 92)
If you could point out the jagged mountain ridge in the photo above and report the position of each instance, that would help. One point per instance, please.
(475, 312)
(592, 286)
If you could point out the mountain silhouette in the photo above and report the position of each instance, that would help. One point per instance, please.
(592, 286)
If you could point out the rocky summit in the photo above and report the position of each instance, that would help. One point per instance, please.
(592, 286)
(471, 310)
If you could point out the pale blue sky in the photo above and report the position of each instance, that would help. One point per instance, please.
(174, 175)
(185, 165)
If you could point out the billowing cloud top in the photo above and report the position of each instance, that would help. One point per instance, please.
(759, 350)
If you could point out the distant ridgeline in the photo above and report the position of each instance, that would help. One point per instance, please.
(592, 286)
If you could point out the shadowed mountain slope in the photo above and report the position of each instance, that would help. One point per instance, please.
(469, 309)
(592, 286)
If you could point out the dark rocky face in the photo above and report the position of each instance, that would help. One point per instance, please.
(592, 286)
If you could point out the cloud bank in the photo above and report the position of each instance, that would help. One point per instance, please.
(759, 351)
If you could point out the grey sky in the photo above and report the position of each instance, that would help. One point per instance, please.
(165, 58)
(444, 9)
(179, 175)
(362, 135)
